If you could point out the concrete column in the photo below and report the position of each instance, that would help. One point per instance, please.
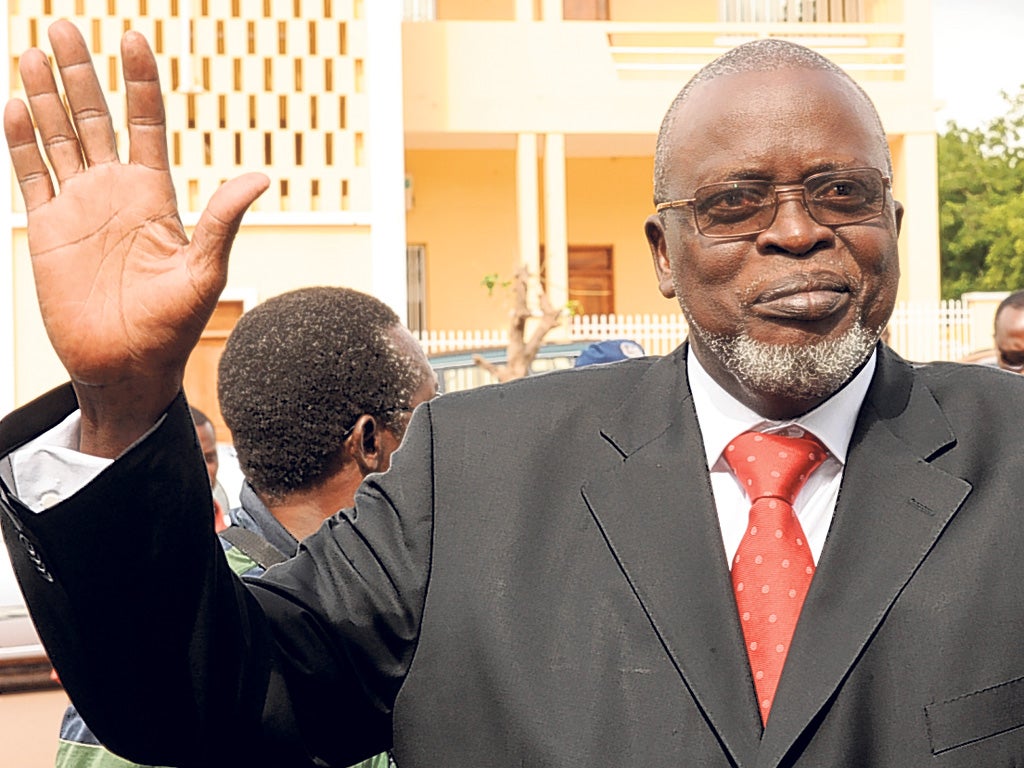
(556, 245)
(528, 202)
(920, 240)
(386, 153)
(920, 258)
(551, 10)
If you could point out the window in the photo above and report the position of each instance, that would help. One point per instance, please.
(416, 277)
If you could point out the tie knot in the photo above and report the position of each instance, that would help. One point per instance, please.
(772, 464)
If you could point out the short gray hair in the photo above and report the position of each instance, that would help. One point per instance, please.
(762, 55)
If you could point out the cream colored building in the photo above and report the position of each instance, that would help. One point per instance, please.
(280, 86)
(533, 122)
(416, 147)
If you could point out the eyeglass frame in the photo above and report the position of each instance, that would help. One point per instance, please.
(776, 189)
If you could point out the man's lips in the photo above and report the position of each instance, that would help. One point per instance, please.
(803, 297)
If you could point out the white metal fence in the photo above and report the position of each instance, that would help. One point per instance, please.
(922, 332)
(941, 331)
(657, 334)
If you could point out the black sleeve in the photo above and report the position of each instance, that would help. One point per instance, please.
(172, 659)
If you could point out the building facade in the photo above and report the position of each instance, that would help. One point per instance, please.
(280, 86)
(416, 148)
(532, 124)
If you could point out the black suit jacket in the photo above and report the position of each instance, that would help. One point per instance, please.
(540, 581)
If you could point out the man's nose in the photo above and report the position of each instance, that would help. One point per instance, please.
(794, 230)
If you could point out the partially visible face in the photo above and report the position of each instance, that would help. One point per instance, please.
(807, 297)
(208, 443)
(427, 390)
(1009, 339)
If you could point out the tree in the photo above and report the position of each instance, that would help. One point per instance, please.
(981, 203)
(521, 351)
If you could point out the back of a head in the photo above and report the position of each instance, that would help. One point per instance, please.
(762, 55)
(296, 373)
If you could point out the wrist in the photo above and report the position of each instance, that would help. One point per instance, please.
(114, 416)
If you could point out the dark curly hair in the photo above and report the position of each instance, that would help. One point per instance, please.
(298, 371)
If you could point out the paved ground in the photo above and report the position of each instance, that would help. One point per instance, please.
(29, 723)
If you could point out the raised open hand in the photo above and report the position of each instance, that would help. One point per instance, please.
(124, 295)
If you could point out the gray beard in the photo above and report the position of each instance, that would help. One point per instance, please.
(801, 372)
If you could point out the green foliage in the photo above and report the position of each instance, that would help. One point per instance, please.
(492, 280)
(981, 203)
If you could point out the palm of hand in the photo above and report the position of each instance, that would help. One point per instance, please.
(124, 294)
(120, 287)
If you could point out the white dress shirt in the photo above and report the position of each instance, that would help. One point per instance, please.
(721, 418)
(50, 468)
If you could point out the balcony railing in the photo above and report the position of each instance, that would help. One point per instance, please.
(872, 51)
(796, 11)
(645, 50)
(742, 11)
(419, 10)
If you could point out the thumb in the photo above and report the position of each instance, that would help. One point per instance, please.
(218, 224)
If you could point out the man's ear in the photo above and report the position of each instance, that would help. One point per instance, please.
(899, 214)
(655, 231)
(364, 445)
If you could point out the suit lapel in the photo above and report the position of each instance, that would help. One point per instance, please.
(652, 500)
(893, 505)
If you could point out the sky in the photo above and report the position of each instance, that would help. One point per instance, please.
(978, 51)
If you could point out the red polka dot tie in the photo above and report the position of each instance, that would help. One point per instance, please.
(773, 565)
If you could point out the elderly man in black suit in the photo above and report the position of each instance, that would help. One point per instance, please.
(781, 545)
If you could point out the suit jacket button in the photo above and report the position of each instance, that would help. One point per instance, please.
(27, 544)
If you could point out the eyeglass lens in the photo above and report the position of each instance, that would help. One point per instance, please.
(746, 207)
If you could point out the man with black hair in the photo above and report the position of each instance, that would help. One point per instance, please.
(780, 546)
(207, 434)
(1008, 333)
(316, 386)
(305, 374)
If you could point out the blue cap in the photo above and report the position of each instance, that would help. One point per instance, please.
(609, 352)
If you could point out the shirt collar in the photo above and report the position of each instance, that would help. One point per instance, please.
(254, 515)
(721, 416)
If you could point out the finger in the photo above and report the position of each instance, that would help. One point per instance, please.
(59, 139)
(147, 126)
(33, 175)
(218, 224)
(85, 97)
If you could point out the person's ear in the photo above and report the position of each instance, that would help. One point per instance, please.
(655, 231)
(365, 445)
(899, 214)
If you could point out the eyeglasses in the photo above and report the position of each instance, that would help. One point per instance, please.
(747, 207)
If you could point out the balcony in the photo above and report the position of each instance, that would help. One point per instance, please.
(657, 50)
(617, 77)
